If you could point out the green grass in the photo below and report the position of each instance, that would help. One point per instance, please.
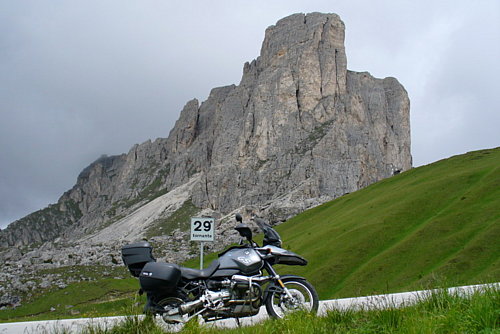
(105, 297)
(432, 224)
(441, 312)
(435, 223)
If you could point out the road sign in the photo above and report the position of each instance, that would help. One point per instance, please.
(202, 229)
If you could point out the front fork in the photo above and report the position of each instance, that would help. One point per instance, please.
(277, 278)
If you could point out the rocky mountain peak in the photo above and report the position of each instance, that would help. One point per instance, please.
(309, 44)
(298, 130)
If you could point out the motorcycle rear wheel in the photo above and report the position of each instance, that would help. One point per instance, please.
(171, 303)
(305, 298)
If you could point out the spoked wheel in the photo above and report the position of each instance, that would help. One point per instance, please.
(302, 296)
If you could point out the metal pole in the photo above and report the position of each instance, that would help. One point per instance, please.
(201, 255)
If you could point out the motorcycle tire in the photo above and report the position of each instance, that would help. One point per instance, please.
(305, 298)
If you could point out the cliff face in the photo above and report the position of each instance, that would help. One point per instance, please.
(298, 130)
(299, 125)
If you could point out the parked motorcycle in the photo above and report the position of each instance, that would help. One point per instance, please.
(233, 286)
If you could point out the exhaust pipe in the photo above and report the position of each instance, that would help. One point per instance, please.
(209, 297)
(190, 306)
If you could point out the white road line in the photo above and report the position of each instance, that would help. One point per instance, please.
(369, 302)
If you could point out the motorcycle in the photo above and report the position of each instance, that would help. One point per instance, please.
(233, 286)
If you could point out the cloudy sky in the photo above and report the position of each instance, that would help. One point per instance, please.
(83, 78)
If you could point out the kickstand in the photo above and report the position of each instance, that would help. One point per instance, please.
(238, 321)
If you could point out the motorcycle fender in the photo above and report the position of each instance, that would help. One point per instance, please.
(275, 287)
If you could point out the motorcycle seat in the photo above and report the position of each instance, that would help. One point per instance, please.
(190, 273)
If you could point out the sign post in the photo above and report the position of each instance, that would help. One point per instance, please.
(203, 230)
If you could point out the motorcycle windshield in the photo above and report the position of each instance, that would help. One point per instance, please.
(271, 237)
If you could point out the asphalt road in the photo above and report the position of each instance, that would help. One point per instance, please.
(369, 302)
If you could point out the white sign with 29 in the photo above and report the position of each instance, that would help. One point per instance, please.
(202, 229)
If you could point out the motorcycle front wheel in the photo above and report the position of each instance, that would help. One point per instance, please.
(304, 297)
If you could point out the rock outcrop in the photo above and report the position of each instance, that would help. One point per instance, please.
(298, 130)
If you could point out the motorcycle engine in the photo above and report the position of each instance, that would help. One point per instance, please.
(240, 299)
(246, 299)
(246, 293)
(229, 298)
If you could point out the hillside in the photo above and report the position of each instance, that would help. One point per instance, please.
(431, 226)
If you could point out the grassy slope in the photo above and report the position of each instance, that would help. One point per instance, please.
(433, 224)
(102, 296)
(84, 299)
(437, 222)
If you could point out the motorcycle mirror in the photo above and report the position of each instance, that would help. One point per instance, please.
(239, 218)
(244, 231)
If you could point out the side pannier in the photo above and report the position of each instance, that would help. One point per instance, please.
(160, 278)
